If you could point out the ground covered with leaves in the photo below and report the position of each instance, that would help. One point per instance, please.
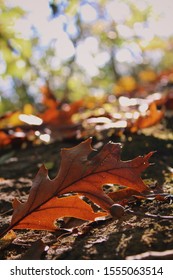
(144, 232)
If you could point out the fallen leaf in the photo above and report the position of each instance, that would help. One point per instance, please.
(60, 115)
(123, 194)
(7, 239)
(159, 197)
(152, 117)
(12, 119)
(125, 84)
(83, 173)
(48, 98)
(147, 75)
(45, 216)
(5, 139)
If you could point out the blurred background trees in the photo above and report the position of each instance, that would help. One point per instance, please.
(81, 48)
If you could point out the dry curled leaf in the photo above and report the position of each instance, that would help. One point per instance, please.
(80, 173)
(153, 117)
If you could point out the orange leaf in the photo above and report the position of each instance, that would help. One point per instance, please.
(62, 114)
(153, 117)
(80, 172)
(123, 194)
(49, 100)
(44, 217)
(5, 139)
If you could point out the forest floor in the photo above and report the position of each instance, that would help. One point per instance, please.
(127, 238)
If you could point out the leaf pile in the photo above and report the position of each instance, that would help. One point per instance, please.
(83, 172)
(132, 106)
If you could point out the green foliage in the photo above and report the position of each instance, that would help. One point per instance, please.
(137, 15)
(15, 53)
(11, 43)
(67, 78)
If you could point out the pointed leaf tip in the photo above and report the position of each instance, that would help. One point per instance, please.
(42, 172)
(80, 174)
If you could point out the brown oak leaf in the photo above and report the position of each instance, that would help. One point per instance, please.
(45, 216)
(80, 173)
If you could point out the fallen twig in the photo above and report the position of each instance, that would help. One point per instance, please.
(148, 215)
(167, 255)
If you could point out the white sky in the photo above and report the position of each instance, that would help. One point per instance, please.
(39, 15)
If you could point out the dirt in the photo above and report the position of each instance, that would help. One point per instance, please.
(132, 234)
